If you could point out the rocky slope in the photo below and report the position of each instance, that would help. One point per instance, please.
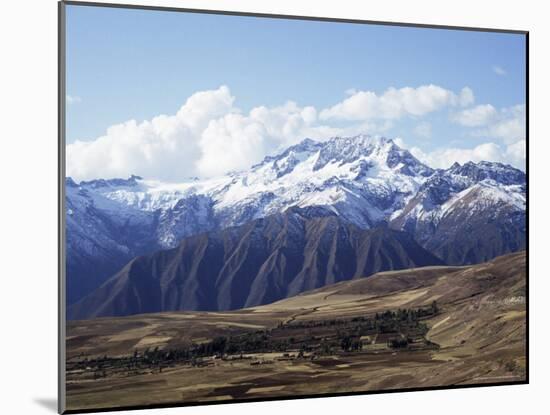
(468, 214)
(257, 263)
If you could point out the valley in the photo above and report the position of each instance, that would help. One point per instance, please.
(421, 327)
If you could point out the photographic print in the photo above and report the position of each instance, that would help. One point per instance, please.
(269, 207)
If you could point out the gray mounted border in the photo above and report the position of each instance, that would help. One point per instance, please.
(61, 197)
(61, 311)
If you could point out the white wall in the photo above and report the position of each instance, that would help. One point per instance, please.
(28, 151)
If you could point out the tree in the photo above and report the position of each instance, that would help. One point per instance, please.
(357, 344)
(325, 347)
(219, 344)
(398, 343)
(346, 343)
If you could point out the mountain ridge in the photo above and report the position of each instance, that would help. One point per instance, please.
(367, 181)
(257, 263)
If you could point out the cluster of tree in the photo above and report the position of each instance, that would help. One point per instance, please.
(407, 314)
(350, 343)
(398, 343)
(313, 324)
(346, 335)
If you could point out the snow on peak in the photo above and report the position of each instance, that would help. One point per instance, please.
(501, 173)
(484, 195)
(306, 146)
(347, 150)
(364, 179)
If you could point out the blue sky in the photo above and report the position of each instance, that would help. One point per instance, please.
(125, 64)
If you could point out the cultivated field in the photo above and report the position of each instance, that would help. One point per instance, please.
(424, 327)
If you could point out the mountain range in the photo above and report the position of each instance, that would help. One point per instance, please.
(257, 263)
(136, 245)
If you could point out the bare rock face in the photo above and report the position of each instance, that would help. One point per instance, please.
(257, 263)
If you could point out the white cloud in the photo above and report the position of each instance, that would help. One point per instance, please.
(396, 103)
(513, 154)
(516, 153)
(165, 147)
(444, 158)
(73, 99)
(423, 130)
(476, 116)
(507, 124)
(236, 141)
(466, 97)
(499, 70)
(510, 125)
(229, 143)
(208, 136)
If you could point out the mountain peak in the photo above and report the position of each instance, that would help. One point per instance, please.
(348, 149)
(499, 172)
(344, 149)
(362, 140)
(307, 145)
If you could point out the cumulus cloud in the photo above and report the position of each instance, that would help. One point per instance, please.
(507, 124)
(396, 103)
(516, 153)
(476, 116)
(207, 136)
(513, 154)
(235, 141)
(510, 125)
(466, 97)
(445, 157)
(165, 147)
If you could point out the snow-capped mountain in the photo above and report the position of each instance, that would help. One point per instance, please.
(469, 213)
(364, 180)
(445, 190)
(361, 178)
